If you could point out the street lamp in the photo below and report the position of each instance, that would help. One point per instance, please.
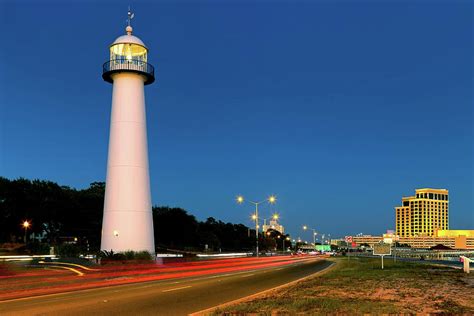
(288, 239)
(314, 233)
(26, 225)
(283, 238)
(271, 199)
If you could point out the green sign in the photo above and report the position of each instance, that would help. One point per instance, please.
(323, 247)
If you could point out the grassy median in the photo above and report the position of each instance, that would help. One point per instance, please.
(360, 286)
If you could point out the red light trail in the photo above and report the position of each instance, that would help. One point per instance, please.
(41, 282)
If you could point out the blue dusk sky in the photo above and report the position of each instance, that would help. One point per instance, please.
(339, 108)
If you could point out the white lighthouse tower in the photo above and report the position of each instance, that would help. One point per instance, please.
(128, 222)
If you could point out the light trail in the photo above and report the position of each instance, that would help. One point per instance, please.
(117, 275)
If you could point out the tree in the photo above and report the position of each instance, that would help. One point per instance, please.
(60, 211)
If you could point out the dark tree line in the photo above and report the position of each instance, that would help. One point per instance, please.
(60, 212)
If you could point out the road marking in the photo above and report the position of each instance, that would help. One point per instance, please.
(248, 275)
(278, 269)
(177, 288)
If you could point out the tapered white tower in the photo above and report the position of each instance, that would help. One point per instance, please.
(128, 222)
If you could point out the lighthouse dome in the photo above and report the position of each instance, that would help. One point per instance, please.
(128, 38)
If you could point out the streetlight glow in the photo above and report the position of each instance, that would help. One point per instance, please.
(25, 225)
(276, 216)
(305, 227)
(240, 199)
(272, 199)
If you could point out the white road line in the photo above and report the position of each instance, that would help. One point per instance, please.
(177, 288)
(248, 275)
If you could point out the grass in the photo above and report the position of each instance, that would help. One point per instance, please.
(359, 286)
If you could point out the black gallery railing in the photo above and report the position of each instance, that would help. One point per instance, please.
(133, 65)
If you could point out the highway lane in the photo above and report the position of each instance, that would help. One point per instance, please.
(169, 297)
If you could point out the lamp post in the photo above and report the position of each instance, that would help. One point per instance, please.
(288, 239)
(314, 233)
(283, 241)
(25, 225)
(271, 199)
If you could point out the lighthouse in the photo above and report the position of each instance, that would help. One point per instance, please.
(128, 222)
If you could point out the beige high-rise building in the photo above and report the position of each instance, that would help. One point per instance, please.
(423, 214)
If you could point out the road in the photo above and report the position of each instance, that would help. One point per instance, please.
(166, 297)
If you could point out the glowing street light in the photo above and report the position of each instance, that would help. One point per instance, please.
(314, 233)
(271, 199)
(26, 225)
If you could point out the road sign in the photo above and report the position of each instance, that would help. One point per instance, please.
(382, 249)
(348, 239)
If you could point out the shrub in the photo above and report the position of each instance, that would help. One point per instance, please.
(68, 250)
(37, 248)
(143, 255)
(127, 255)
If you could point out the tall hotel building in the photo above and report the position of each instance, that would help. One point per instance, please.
(423, 214)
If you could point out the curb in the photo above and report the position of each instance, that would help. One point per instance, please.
(207, 311)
